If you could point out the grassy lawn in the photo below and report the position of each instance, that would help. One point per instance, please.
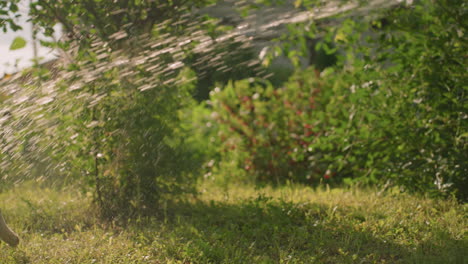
(240, 224)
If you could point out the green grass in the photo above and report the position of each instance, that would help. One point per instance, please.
(240, 224)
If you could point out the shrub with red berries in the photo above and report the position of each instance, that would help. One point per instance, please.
(271, 127)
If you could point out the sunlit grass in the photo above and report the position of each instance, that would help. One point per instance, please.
(240, 224)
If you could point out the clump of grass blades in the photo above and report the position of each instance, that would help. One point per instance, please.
(240, 224)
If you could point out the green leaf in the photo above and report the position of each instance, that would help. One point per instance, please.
(18, 43)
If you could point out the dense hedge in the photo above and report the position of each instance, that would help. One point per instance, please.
(394, 111)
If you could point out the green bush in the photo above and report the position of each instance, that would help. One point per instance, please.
(135, 140)
(400, 116)
(114, 128)
(266, 131)
(392, 112)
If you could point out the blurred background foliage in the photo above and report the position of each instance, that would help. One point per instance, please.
(153, 98)
(389, 109)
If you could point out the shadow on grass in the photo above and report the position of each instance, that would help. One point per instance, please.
(263, 230)
(259, 230)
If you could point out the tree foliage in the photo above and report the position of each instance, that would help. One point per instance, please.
(8, 13)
